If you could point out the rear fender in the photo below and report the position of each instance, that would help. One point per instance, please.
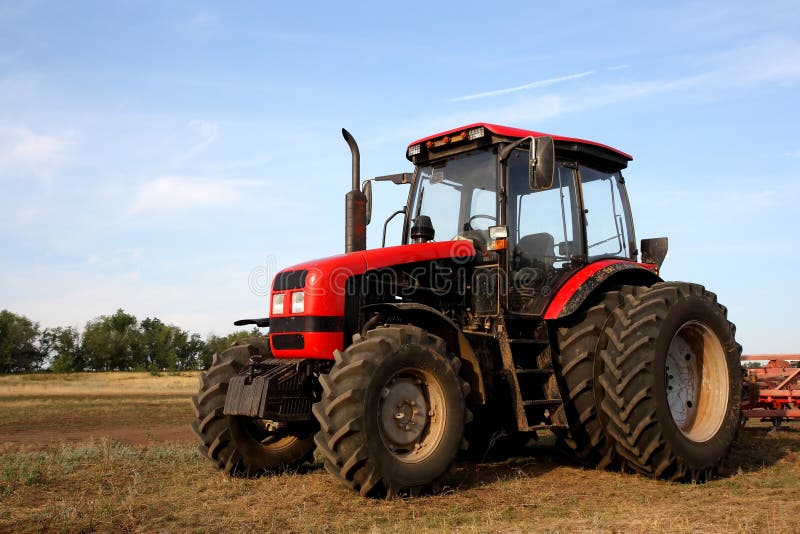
(596, 277)
(440, 325)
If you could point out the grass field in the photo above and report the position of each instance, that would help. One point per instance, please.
(113, 452)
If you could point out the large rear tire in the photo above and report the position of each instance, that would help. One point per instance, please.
(244, 446)
(578, 340)
(392, 412)
(672, 381)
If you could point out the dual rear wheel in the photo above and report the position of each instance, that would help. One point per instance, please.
(670, 384)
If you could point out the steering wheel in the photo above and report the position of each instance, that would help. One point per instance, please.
(481, 216)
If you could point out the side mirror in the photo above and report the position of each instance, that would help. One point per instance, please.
(366, 188)
(541, 165)
(655, 250)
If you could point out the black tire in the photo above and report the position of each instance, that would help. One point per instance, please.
(369, 444)
(578, 340)
(244, 446)
(672, 381)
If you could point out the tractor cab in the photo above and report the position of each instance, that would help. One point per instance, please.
(477, 184)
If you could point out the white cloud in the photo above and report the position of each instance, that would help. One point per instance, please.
(203, 19)
(532, 85)
(792, 153)
(205, 133)
(536, 109)
(181, 192)
(25, 153)
(115, 259)
(774, 59)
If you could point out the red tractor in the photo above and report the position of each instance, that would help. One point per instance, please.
(518, 302)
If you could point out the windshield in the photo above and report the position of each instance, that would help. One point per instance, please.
(458, 194)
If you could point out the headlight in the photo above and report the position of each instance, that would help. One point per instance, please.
(277, 304)
(298, 302)
(476, 133)
(498, 232)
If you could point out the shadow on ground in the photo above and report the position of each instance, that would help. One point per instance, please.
(756, 448)
(760, 446)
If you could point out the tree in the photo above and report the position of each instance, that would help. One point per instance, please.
(157, 345)
(215, 344)
(190, 352)
(63, 345)
(19, 350)
(111, 342)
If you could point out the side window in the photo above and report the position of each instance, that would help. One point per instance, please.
(606, 229)
(547, 217)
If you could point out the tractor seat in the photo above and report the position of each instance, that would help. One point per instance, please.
(535, 250)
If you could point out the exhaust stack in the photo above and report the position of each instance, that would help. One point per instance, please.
(355, 204)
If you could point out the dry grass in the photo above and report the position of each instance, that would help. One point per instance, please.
(92, 384)
(100, 484)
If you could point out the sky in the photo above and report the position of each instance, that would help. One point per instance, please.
(168, 157)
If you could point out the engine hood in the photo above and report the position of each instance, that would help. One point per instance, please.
(328, 276)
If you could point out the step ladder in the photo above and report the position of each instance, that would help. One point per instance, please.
(528, 368)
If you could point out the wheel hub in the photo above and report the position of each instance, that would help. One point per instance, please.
(404, 412)
(696, 380)
(682, 381)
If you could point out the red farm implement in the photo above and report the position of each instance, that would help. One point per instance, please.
(772, 392)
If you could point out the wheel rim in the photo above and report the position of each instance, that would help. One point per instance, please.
(267, 434)
(412, 415)
(697, 382)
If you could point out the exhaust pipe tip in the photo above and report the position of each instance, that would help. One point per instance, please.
(355, 209)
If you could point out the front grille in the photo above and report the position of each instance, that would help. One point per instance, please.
(288, 341)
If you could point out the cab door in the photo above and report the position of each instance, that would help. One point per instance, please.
(545, 239)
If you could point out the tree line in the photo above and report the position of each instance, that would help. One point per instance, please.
(117, 342)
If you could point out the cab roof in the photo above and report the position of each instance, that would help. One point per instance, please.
(519, 133)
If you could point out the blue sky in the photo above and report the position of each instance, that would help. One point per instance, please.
(163, 156)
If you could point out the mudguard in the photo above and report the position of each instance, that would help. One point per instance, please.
(585, 282)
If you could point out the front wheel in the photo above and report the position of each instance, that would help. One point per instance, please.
(671, 381)
(238, 445)
(392, 412)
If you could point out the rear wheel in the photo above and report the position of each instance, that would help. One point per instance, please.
(575, 365)
(672, 381)
(392, 412)
(244, 446)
